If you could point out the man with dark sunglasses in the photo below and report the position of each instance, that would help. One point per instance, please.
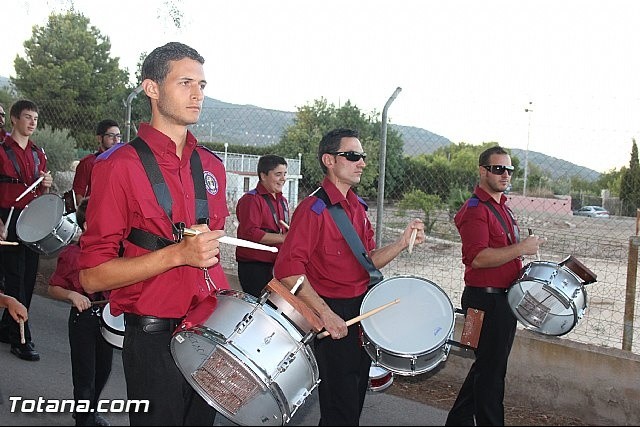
(492, 254)
(335, 280)
(107, 135)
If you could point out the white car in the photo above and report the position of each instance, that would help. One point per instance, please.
(592, 211)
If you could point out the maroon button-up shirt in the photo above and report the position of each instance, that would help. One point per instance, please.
(255, 219)
(122, 198)
(316, 248)
(479, 229)
(9, 192)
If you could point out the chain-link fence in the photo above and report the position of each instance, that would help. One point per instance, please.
(606, 246)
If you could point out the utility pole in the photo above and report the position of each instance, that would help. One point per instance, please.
(526, 153)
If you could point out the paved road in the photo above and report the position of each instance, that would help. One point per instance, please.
(50, 378)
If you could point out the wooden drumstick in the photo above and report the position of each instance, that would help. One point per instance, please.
(99, 302)
(361, 317)
(22, 339)
(31, 187)
(234, 241)
(538, 251)
(5, 243)
(5, 230)
(284, 224)
(412, 240)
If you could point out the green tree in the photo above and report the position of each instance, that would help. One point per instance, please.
(69, 73)
(313, 121)
(630, 184)
(419, 200)
(59, 147)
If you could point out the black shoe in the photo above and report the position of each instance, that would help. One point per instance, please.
(100, 421)
(25, 351)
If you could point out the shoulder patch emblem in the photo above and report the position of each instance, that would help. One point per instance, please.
(211, 183)
(473, 202)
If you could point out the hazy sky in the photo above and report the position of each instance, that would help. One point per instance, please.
(467, 69)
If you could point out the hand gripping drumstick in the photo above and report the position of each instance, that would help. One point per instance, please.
(5, 230)
(361, 317)
(234, 241)
(31, 187)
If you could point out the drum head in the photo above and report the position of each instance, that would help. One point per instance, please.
(39, 217)
(421, 321)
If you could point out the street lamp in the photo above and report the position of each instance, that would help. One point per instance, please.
(526, 153)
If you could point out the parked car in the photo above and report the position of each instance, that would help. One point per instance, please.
(592, 211)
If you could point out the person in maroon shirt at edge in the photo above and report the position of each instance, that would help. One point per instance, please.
(260, 212)
(21, 164)
(492, 255)
(91, 354)
(335, 282)
(107, 135)
(156, 288)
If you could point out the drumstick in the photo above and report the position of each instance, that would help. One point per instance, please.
(234, 241)
(297, 285)
(6, 224)
(31, 187)
(22, 339)
(361, 317)
(99, 302)
(412, 240)
(284, 224)
(538, 251)
(5, 243)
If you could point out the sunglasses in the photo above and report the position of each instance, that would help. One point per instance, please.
(499, 169)
(352, 156)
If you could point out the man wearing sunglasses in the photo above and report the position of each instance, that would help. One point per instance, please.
(492, 254)
(335, 281)
(107, 135)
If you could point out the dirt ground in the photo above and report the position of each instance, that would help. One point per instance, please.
(421, 388)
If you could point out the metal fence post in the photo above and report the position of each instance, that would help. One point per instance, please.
(383, 167)
(127, 125)
(630, 295)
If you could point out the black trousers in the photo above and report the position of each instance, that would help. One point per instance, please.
(91, 359)
(344, 369)
(20, 265)
(254, 276)
(152, 374)
(482, 393)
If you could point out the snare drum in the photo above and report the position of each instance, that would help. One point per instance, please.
(245, 359)
(43, 225)
(379, 378)
(112, 327)
(412, 336)
(548, 298)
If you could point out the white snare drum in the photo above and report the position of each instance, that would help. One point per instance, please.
(245, 359)
(112, 327)
(379, 378)
(43, 226)
(412, 336)
(548, 298)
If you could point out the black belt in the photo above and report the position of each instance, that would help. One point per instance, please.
(488, 289)
(151, 324)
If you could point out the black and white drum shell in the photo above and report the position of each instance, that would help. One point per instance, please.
(412, 336)
(112, 327)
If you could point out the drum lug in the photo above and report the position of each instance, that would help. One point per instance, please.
(242, 325)
(288, 360)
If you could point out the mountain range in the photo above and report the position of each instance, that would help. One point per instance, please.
(252, 125)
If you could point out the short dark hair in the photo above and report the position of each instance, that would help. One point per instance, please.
(330, 142)
(156, 64)
(269, 162)
(103, 125)
(486, 154)
(81, 213)
(23, 104)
